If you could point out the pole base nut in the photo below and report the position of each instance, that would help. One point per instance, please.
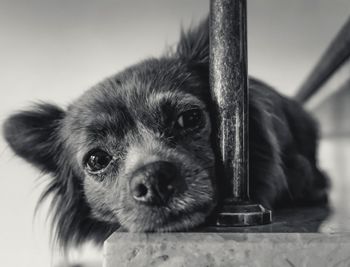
(243, 214)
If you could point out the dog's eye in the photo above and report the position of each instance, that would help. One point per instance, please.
(97, 160)
(189, 119)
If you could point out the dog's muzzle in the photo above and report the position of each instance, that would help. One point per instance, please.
(155, 183)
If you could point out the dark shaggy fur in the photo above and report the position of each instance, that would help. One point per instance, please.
(136, 118)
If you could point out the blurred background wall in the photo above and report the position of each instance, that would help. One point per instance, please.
(53, 50)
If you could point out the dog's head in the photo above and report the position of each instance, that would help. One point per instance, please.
(133, 151)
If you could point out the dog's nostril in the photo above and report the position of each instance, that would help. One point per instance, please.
(140, 190)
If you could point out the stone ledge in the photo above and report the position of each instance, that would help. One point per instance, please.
(227, 249)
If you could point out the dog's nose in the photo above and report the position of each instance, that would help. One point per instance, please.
(154, 183)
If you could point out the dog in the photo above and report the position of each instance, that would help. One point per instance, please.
(136, 150)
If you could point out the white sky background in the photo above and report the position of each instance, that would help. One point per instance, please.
(54, 50)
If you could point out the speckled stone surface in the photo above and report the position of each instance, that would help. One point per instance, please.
(313, 236)
(227, 249)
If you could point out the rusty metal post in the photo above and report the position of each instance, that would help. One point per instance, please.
(229, 90)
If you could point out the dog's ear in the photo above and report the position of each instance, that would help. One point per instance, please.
(194, 44)
(34, 135)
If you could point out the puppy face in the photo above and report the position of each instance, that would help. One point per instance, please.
(142, 148)
(133, 151)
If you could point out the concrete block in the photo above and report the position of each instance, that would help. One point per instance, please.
(227, 249)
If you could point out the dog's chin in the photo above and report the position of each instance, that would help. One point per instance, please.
(164, 220)
(184, 223)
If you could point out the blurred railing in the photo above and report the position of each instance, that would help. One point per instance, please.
(335, 56)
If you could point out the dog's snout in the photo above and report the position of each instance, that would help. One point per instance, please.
(154, 183)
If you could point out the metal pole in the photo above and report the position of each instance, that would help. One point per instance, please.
(229, 90)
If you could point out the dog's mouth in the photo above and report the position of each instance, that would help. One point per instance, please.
(167, 218)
